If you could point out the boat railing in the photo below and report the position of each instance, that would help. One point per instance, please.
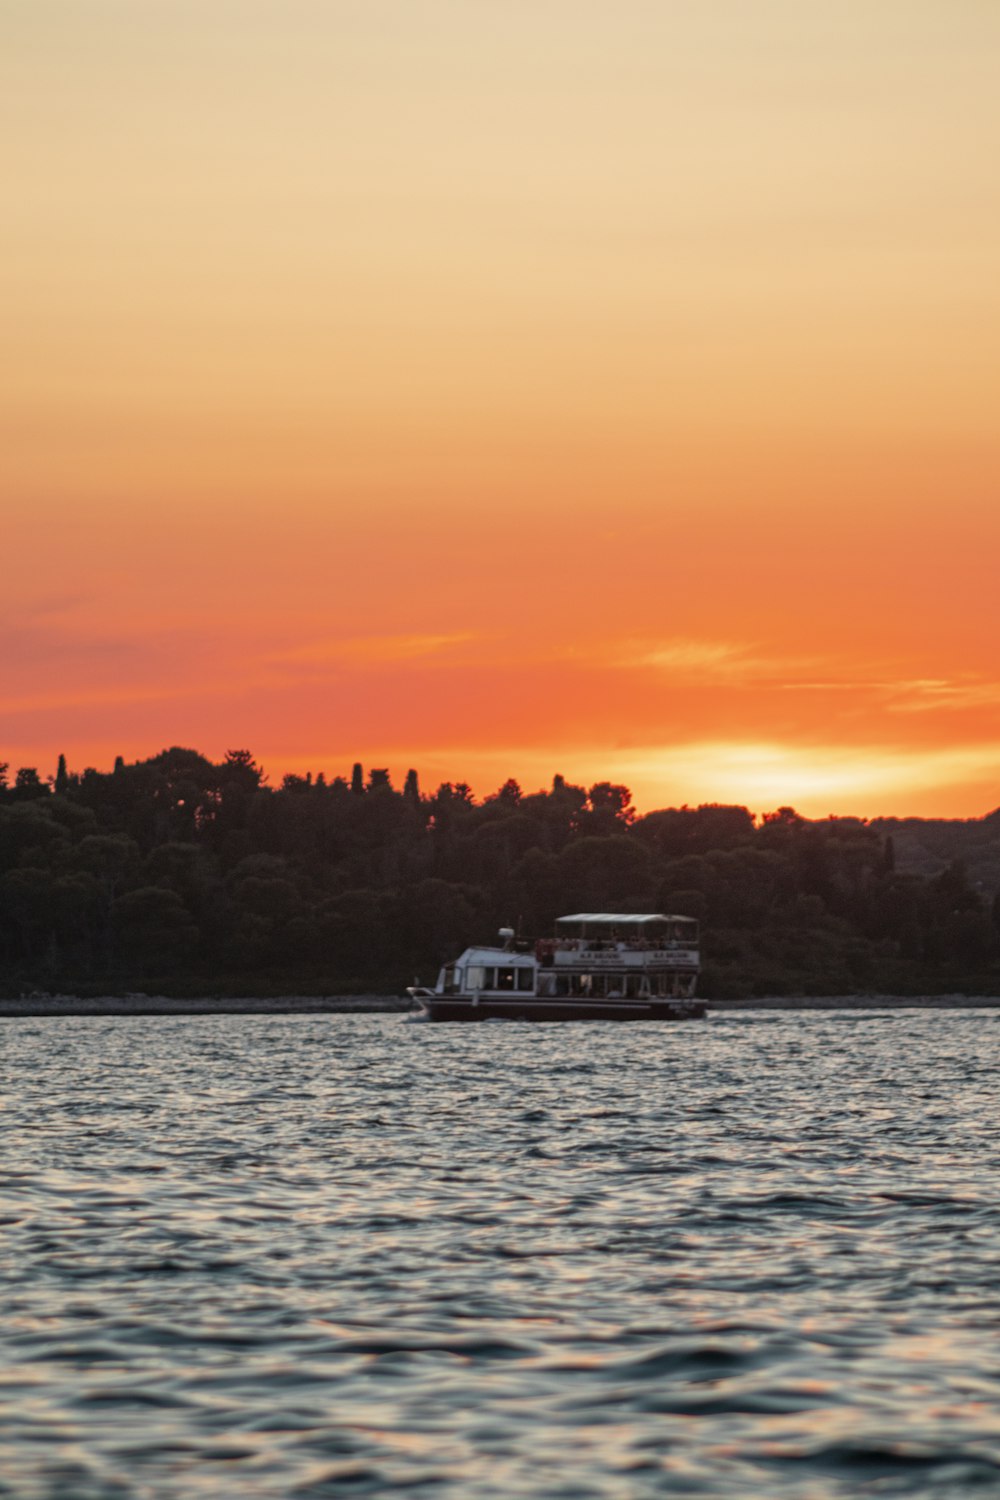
(609, 945)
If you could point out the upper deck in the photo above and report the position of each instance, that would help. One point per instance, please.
(602, 940)
(637, 930)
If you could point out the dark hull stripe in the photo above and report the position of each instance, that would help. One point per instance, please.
(532, 1009)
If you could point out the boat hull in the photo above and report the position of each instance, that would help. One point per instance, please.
(533, 1008)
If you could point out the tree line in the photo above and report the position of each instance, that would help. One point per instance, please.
(180, 875)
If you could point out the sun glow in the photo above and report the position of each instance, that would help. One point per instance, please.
(863, 781)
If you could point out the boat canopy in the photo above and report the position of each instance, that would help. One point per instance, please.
(603, 924)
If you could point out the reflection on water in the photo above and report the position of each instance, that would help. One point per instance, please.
(316, 1256)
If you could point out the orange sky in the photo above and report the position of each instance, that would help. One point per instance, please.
(504, 388)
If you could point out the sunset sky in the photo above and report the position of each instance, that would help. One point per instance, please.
(508, 387)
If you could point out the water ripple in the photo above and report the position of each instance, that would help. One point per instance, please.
(323, 1256)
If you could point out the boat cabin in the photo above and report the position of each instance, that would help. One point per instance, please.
(496, 970)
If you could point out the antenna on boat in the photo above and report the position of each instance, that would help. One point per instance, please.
(506, 935)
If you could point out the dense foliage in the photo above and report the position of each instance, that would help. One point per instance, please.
(183, 876)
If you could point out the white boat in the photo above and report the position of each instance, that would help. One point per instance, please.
(599, 966)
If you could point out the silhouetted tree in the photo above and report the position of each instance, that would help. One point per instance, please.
(239, 769)
(293, 783)
(610, 808)
(28, 785)
(509, 794)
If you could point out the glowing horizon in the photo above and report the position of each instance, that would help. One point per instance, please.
(508, 391)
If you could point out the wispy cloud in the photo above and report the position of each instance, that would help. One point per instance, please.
(122, 697)
(713, 660)
(729, 661)
(929, 694)
(38, 644)
(369, 650)
(688, 655)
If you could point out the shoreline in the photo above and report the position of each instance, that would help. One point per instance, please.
(36, 1006)
(860, 1002)
(209, 1005)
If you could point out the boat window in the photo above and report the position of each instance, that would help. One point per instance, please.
(475, 977)
(505, 979)
(525, 979)
(451, 980)
(573, 984)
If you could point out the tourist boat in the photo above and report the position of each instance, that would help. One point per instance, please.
(600, 966)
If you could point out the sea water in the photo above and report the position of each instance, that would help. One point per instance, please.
(308, 1256)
